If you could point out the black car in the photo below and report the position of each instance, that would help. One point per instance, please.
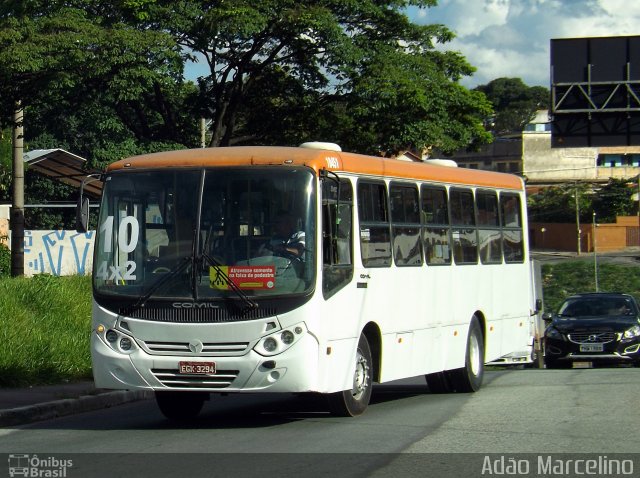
(594, 327)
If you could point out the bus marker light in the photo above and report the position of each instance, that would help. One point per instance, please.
(455, 333)
(328, 350)
(298, 330)
(100, 328)
(270, 364)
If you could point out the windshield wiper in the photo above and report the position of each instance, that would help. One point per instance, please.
(160, 282)
(250, 304)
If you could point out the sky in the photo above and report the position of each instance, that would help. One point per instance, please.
(511, 38)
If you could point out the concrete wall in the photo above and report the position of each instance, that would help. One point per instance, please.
(53, 252)
(541, 163)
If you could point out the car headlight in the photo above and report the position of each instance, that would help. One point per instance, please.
(632, 332)
(280, 341)
(553, 333)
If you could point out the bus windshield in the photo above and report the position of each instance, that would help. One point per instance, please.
(206, 234)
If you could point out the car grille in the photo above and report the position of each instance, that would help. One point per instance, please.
(592, 337)
(172, 379)
(182, 348)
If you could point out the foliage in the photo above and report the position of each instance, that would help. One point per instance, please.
(514, 102)
(90, 81)
(571, 277)
(368, 67)
(615, 199)
(558, 203)
(45, 325)
(5, 258)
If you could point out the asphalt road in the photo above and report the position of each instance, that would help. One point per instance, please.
(405, 431)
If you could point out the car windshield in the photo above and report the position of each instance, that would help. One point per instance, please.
(206, 234)
(597, 307)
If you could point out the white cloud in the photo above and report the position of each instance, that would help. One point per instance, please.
(511, 37)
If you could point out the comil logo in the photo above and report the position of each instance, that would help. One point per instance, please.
(38, 467)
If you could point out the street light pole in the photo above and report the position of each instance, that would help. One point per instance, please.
(595, 253)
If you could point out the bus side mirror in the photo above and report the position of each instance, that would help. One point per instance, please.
(82, 214)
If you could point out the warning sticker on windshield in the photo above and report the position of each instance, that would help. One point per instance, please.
(245, 277)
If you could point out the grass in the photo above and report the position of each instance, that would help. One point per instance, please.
(569, 277)
(45, 321)
(45, 325)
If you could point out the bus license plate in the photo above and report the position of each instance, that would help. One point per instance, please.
(591, 348)
(197, 368)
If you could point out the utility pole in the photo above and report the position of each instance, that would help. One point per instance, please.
(17, 205)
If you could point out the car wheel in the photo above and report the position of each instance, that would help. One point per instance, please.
(351, 403)
(180, 405)
(469, 377)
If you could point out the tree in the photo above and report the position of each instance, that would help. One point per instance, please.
(558, 203)
(365, 54)
(514, 102)
(615, 199)
(64, 58)
(91, 83)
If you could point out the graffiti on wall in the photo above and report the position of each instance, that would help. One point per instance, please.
(58, 252)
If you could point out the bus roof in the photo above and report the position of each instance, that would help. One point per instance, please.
(318, 159)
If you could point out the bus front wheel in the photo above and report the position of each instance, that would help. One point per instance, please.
(180, 405)
(469, 377)
(351, 403)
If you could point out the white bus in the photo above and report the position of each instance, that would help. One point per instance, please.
(390, 269)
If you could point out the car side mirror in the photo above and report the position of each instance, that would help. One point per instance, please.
(547, 317)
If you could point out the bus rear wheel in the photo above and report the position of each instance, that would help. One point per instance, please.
(180, 405)
(469, 377)
(351, 403)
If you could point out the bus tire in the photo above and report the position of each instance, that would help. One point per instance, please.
(469, 378)
(180, 405)
(351, 403)
(438, 382)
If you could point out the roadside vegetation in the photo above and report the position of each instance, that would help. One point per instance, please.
(45, 324)
(45, 321)
(570, 277)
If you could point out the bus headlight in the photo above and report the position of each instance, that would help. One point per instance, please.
(280, 341)
(116, 340)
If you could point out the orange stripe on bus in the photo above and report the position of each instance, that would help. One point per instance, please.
(317, 160)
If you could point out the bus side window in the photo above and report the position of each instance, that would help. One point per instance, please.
(436, 235)
(405, 220)
(465, 239)
(375, 233)
(337, 236)
(489, 235)
(511, 222)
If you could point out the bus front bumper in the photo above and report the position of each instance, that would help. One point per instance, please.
(294, 370)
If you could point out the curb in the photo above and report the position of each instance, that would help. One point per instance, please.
(69, 406)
